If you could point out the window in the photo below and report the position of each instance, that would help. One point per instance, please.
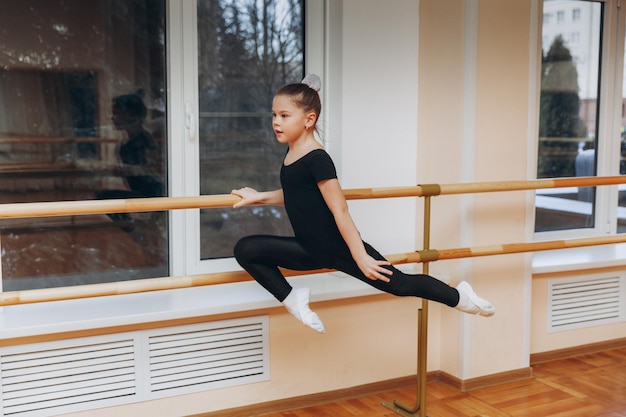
(576, 15)
(73, 126)
(246, 51)
(83, 117)
(568, 120)
(578, 132)
(620, 215)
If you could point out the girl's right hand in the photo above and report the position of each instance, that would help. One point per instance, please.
(248, 196)
(374, 269)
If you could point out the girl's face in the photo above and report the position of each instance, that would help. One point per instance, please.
(289, 121)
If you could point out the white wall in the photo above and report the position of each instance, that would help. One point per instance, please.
(379, 116)
(473, 126)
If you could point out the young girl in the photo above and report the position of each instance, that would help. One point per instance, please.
(325, 235)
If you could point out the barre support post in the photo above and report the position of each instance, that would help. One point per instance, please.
(422, 338)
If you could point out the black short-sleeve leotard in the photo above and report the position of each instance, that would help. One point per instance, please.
(317, 233)
(311, 219)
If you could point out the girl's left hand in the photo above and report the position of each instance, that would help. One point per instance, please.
(374, 269)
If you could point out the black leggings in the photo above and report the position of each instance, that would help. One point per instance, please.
(261, 255)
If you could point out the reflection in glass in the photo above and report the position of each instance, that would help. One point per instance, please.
(568, 111)
(621, 209)
(246, 51)
(62, 64)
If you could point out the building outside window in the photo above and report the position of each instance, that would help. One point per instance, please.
(547, 18)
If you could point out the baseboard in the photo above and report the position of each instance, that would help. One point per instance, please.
(368, 389)
(465, 385)
(570, 352)
(314, 399)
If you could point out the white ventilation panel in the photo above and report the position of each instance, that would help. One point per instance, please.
(217, 356)
(40, 380)
(585, 301)
(46, 379)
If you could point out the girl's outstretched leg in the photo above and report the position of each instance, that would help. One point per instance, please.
(261, 256)
(462, 298)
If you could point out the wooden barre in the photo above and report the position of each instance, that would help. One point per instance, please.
(512, 248)
(166, 283)
(129, 287)
(482, 187)
(485, 187)
(503, 249)
(83, 207)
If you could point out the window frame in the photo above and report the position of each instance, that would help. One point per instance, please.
(183, 114)
(609, 116)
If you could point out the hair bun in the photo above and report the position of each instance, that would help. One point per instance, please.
(313, 81)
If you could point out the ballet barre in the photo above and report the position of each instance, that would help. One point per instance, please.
(424, 256)
(166, 283)
(83, 207)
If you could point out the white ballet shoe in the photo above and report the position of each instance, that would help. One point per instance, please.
(471, 303)
(297, 303)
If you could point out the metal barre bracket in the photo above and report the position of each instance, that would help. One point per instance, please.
(430, 189)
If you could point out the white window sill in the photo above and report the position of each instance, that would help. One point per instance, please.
(92, 313)
(573, 259)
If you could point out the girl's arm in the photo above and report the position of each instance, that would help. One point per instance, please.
(251, 196)
(333, 195)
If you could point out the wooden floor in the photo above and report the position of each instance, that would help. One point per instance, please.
(585, 386)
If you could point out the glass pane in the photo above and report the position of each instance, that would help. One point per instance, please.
(621, 209)
(82, 93)
(246, 51)
(571, 46)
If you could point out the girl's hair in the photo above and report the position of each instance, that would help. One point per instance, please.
(131, 104)
(305, 94)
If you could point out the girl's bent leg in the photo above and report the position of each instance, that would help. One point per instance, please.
(297, 303)
(261, 256)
